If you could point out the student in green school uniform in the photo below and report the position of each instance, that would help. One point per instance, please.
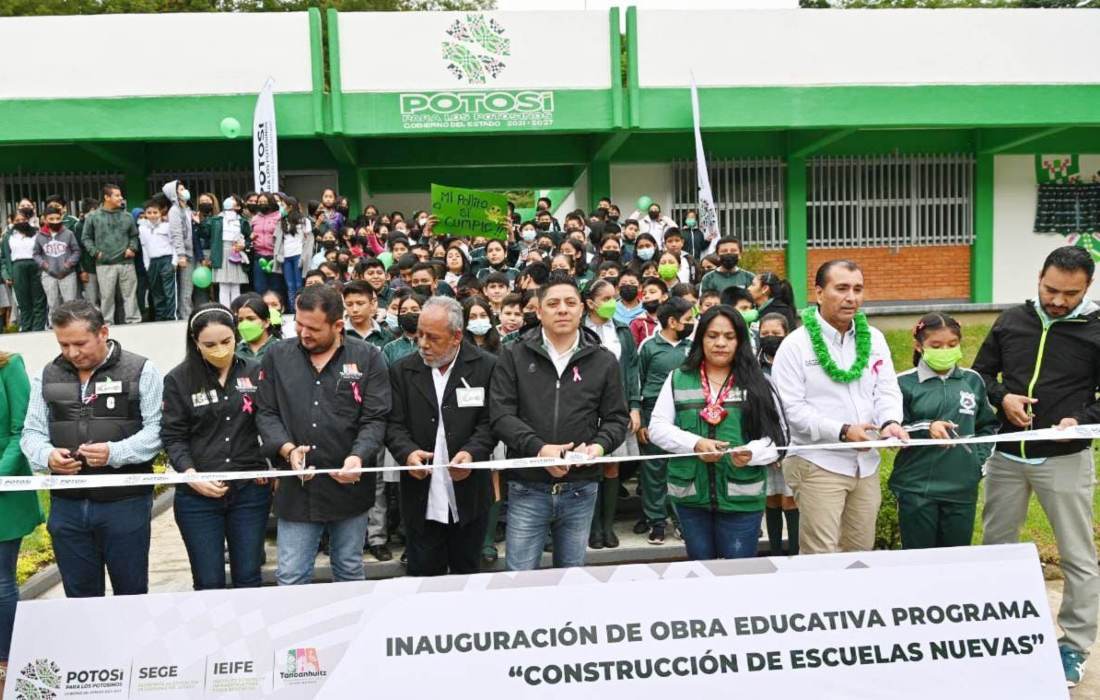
(937, 487)
(408, 317)
(360, 307)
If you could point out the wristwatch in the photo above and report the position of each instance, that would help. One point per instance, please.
(844, 432)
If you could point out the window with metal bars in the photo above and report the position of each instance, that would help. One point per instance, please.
(73, 187)
(221, 183)
(890, 201)
(748, 194)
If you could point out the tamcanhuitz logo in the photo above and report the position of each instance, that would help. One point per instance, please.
(475, 48)
(38, 680)
(302, 665)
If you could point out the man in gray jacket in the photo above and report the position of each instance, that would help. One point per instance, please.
(179, 223)
(57, 253)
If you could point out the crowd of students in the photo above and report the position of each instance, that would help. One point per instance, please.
(592, 337)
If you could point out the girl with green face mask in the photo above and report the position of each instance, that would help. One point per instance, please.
(937, 487)
(254, 325)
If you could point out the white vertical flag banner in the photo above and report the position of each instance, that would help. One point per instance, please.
(708, 214)
(265, 148)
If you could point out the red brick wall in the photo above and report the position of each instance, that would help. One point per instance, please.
(904, 274)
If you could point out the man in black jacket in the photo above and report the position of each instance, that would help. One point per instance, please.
(322, 403)
(439, 421)
(1047, 353)
(555, 390)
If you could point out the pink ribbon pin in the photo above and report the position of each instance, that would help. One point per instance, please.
(356, 394)
(246, 404)
(576, 374)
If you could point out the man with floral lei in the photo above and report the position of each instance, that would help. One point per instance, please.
(837, 384)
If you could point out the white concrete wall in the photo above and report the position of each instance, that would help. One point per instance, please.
(163, 343)
(866, 47)
(1018, 252)
(402, 51)
(152, 55)
(631, 181)
(404, 202)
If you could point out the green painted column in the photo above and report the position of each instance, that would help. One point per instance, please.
(351, 186)
(599, 182)
(981, 252)
(796, 228)
(136, 187)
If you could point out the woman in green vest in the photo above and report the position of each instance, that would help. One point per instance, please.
(719, 406)
(19, 510)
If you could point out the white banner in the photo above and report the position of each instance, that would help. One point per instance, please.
(953, 623)
(708, 213)
(265, 147)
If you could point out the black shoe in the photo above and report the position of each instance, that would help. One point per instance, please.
(657, 534)
(381, 552)
(595, 540)
(610, 539)
(641, 527)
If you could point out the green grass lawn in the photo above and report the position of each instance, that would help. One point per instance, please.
(1036, 528)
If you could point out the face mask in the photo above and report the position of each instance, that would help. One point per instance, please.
(690, 223)
(423, 290)
(250, 330)
(267, 208)
(942, 359)
(543, 225)
(729, 260)
(769, 344)
(275, 317)
(24, 228)
(686, 331)
(654, 215)
(651, 306)
(478, 326)
(610, 255)
(221, 356)
(206, 208)
(56, 227)
(606, 310)
(545, 249)
(628, 292)
(530, 318)
(251, 208)
(750, 315)
(185, 196)
(668, 271)
(528, 235)
(391, 321)
(613, 217)
(282, 211)
(229, 204)
(328, 245)
(27, 212)
(409, 322)
(645, 253)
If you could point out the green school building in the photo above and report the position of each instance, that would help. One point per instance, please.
(922, 143)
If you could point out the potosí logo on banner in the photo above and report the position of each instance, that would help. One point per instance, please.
(473, 52)
(265, 148)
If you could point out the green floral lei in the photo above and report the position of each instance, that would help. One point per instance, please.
(828, 364)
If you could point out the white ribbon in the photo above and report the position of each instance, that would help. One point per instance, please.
(108, 480)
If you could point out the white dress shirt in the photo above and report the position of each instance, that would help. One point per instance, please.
(442, 506)
(561, 360)
(609, 337)
(664, 433)
(817, 407)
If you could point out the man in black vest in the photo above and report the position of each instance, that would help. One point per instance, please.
(439, 421)
(95, 410)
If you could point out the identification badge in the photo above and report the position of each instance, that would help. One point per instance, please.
(110, 403)
(108, 387)
(200, 399)
(470, 397)
(351, 371)
(213, 396)
(245, 385)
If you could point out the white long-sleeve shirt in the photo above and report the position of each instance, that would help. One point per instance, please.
(817, 407)
(156, 241)
(664, 433)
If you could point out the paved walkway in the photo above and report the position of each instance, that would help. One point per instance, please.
(170, 572)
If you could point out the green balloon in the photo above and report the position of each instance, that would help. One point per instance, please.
(201, 277)
(386, 258)
(230, 127)
(643, 202)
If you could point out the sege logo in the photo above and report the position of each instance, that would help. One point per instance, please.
(149, 672)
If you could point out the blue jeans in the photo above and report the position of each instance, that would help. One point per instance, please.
(298, 542)
(207, 524)
(89, 535)
(9, 593)
(292, 276)
(717, 535)
(565, 509)
(263, 281)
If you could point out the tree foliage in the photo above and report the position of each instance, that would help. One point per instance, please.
(23, 8)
